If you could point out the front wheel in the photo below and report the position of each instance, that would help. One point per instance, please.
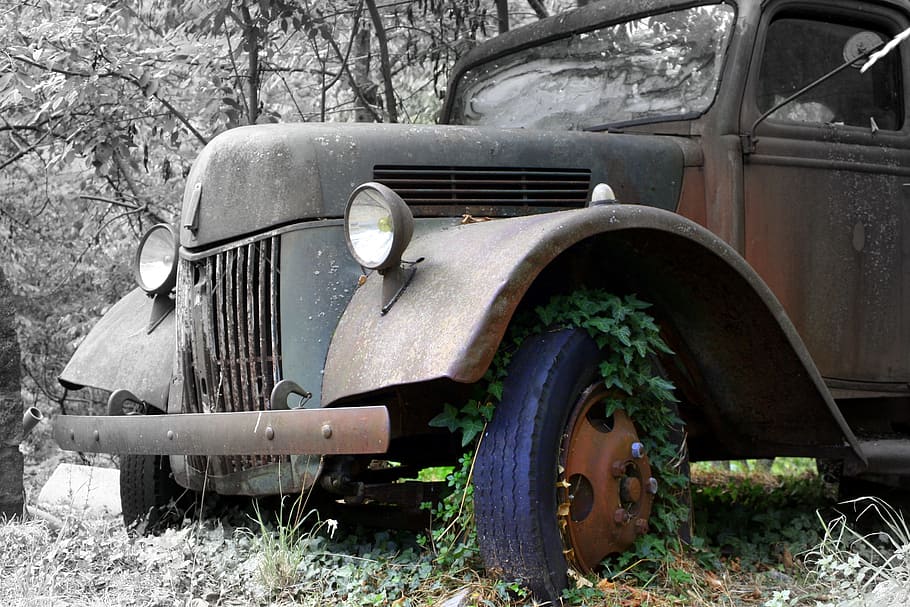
(557, 482)
(150, 498)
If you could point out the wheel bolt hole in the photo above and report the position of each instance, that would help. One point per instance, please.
(582, 495)
(630, 490)
(597, 417)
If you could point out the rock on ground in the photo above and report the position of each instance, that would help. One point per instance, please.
(88, 490)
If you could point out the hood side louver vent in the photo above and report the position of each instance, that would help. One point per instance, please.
(495, 191)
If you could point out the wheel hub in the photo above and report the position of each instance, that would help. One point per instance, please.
(604, 489)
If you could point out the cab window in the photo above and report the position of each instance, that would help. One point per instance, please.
(798, 51)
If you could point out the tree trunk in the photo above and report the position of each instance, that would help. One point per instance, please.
(502, 15)
(385, 66)
(11, 496)
(365, 88)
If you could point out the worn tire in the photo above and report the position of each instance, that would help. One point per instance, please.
(518, 460)
(515, 471)
(150, 498)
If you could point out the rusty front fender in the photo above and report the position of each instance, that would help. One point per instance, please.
(121, 353)
(763, 387)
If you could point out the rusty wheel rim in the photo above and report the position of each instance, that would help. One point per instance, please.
(605, 485)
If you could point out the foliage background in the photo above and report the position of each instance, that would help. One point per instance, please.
(104, 106)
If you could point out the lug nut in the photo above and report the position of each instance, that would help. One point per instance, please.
(652, 486)
(638, 450)
(619, 517)
(641, 526)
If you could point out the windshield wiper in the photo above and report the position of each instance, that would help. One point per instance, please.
(619, 125)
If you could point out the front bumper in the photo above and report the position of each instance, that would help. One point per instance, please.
(351, 430)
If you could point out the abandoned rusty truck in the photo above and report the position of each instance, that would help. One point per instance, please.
(322, 296)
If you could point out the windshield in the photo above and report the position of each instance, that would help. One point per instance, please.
(657, 67)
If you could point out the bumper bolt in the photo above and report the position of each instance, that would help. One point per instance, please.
(270, 433)
(97, 436)
(638, 450)
(652, 486)
(327, 431)
(170, 435)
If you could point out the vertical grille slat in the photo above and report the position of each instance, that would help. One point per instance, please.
(229, 348)
(273, 303)
(223, 390)
(211, 374)
(251, 342)
(243, 372)
(263, 322)
(236, 402)
(240, 359)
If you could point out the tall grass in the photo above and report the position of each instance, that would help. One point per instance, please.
(872, 568)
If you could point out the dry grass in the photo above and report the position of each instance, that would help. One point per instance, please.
(255, 562)
(93, 562)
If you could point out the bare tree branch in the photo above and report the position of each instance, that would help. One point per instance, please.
(502, 15)
(326, 34)
(252, 45)
(384, 61)
(541, 11)
(123, 169)
(118, 203)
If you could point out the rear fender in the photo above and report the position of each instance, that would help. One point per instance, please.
(764, 390)
(131, 347)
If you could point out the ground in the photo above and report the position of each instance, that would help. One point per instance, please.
(756, 528)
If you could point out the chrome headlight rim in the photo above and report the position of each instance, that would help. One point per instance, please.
(171, 250)
(401, 226)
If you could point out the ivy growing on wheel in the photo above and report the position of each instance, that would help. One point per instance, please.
(575, 453)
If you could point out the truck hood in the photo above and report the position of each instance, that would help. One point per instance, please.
(254, 178)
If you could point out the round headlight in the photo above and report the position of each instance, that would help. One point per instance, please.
(378, 226)
(155, 266)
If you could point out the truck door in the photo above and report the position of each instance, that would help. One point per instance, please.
(827, 185)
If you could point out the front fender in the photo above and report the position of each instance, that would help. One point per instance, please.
(120, 352)
(450, 320)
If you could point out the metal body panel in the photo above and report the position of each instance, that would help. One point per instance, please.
(316, 432)
(297, 474)
(259, 177)
(827, 211)
(318, 279)
(119, 352)
(450, 320)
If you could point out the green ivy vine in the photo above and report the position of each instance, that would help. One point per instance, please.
(629, 340)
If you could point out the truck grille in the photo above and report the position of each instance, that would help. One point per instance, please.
(228, 337)
(488, 190)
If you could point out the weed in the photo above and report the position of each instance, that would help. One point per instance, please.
(854, 565)
(284, 547)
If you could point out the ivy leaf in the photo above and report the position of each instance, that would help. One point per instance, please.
(470, 429)
(495, 390)
(449, 418)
